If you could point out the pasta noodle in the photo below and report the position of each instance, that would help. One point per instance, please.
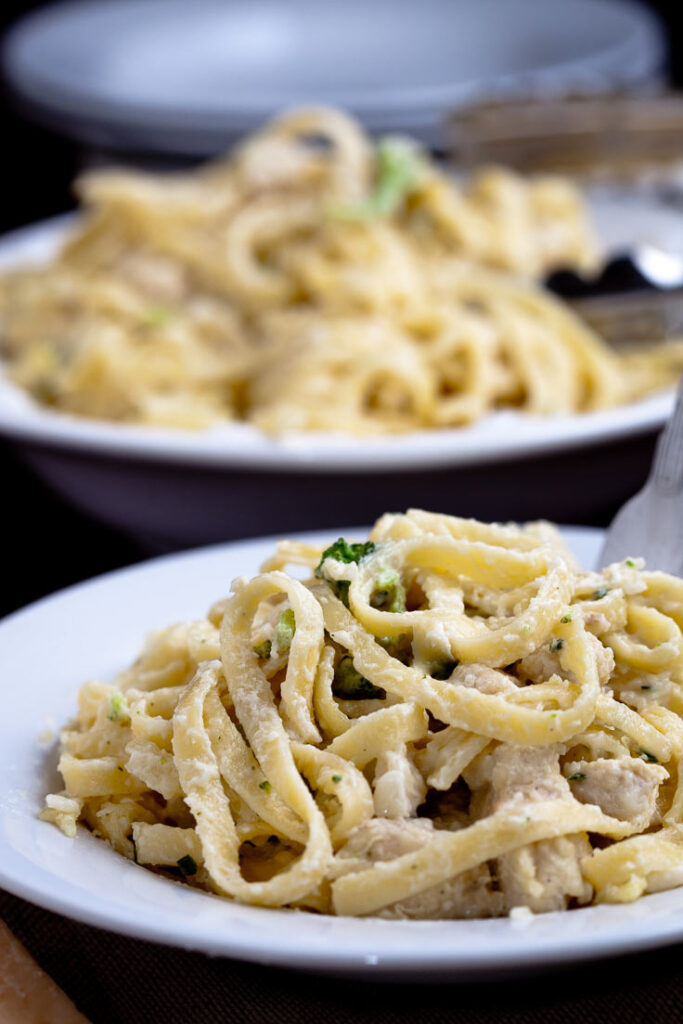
(311, 281)
(449, 719)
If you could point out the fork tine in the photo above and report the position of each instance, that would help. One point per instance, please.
(667, 469)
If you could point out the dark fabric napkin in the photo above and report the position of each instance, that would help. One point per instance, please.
(115, 980)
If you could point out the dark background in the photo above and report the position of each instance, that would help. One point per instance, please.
(50, 545)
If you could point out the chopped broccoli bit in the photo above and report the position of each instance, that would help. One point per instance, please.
(566, 618)
(263, 650)
(556, 644)
(577, 777)
(265, 786)
(398, 647)
(389, 594)
(599, 593)
(630, 563)
(286, 628)
(387, 578)
(444, 670)
(397, 167)
(336, 778)
(342, 551)
(341, 589)
(187, 865)
(157, 316)
(118, 708)
(648, 757)
(646, 686)
(349, 684)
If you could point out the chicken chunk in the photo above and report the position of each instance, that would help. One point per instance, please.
(544, 663)
(526, 773)
(545, 875)
(399, 788)
(470, 894)
(483, 678)
(624, 788)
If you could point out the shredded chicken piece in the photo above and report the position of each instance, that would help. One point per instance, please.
(526, 774)
(162, 279)
(399, 788)
(542, 876)
(544, 663)
(483, 678)
(470, 894)
(624, 788)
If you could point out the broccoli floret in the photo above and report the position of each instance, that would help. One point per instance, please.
(286, 629)
(349, 684)
(342, 551)
(389, 594)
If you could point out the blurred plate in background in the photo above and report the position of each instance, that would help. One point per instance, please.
(169, 76)
(176, 488)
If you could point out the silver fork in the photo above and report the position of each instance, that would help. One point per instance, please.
(651, 524)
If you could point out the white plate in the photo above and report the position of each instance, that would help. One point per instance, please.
(94, 630)
(495, 438)
(167, 75)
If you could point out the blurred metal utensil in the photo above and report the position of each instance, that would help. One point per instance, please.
(636, 299)
(616, 136)
(659, 267)
(651, 524)
(635, 320)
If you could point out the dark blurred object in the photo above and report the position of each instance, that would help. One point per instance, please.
(617, 137)
(647, 266)
(620, 274)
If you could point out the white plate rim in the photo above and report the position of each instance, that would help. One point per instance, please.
(498, 437)
(453, 950)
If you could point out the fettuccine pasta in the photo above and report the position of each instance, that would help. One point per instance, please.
(447, 720)
(314, 281)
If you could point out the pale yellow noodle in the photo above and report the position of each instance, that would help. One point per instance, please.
(271, 286)
(450, 720)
